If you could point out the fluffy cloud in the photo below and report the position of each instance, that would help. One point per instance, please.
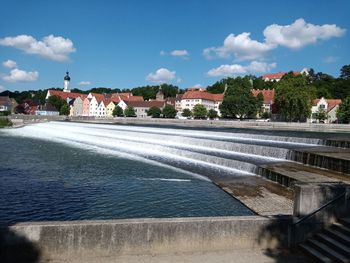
(179, 53)
(300, 34)
(237, 69)
(9, 64)
(50, 47)
(2, 88)
(162, 75)
(176, 53)
(242, 47)
(84, 83)
(17, 75)
(296, 35)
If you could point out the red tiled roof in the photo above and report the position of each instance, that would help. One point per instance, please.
(196, 94)
(278, 75)
(269, 95)
(5, 100)
(126, 96)
(65, 95)
(146, 104)
(132, 98)
(331, 103)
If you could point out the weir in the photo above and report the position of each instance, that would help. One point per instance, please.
(223, 156)
(262, 171)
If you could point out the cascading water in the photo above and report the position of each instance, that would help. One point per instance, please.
(202, 152)
(74, 171)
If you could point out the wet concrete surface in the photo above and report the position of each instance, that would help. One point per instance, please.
(262, 196)
(305, 173)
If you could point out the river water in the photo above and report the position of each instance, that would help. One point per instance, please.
(46, 174)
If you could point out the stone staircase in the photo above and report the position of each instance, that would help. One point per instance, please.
(330, 245)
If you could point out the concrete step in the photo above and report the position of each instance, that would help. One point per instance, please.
(314, 254)
(328, 251)
(340, 237)
(345, 222)
(341, 228)
(334, 244)
(334, 159)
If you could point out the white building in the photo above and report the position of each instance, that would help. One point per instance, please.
(329, 106)
(195, 96)
(278, 76)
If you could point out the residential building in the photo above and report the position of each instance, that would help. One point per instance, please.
(141, 107)
(47, 110)
(86, 106)
(269, 98)
(195, 96)
(5, 104)
(278, 76)
(110, 106)
(78, 106)
(329, 106)
(101, 110)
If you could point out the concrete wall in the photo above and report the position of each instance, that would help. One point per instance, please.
(309, 197)
(79, 239)
(231, 124)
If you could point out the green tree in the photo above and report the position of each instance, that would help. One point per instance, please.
(56, 101)
(186, 113)
(199, 111)
(343, 113)
(239, 102)
(321, 115)
(169, 112)
(345, 72)
(64, 110)
(266, 115)
(118, 111)
(129, 112)
(294, 97)
(154, 112)
(212, 114)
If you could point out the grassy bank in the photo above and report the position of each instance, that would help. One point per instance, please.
(5, 122)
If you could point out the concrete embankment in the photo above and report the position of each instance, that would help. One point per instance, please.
(289, 126)
(115, 238)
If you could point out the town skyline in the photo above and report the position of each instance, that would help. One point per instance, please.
(184, 44)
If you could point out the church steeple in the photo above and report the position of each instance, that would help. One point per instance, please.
(66, 82)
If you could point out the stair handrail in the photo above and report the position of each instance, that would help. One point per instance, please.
(319, 209)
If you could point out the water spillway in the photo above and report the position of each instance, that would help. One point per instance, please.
(202, 152)
(73, 171)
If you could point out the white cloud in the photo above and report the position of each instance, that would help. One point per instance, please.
(300, 33)
(179, 53)
(242, 47)
(2, 88)
(9, 64)
(237, 69)
(197, 85)
(162, 53)
(84, 83)
(50, 47)
(17, 75)
(162, 75)
(296, 35)
(330, 59)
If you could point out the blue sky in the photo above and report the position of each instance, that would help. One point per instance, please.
(124, 44)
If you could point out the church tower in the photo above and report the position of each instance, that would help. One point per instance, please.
(160, 94)
(66, 82)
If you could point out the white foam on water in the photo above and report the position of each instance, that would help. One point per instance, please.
(165, 179)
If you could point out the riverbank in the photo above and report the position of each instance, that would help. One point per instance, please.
(249, 124)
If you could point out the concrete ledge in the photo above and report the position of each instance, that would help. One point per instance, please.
(114, 238)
